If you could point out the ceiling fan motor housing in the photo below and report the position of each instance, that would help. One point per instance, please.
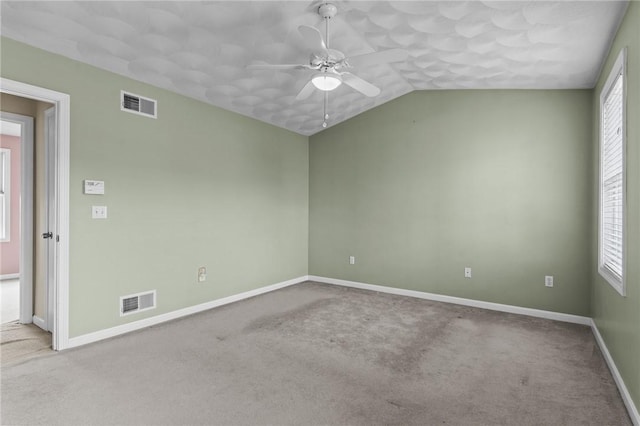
(327, 10)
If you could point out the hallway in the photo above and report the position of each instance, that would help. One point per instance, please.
(20, 342)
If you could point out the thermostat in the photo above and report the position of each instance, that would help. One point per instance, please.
(95, 187)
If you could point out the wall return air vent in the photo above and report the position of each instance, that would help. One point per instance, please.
(138, 104)
(137, 302)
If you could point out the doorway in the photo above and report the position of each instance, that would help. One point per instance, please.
(55, 314)
(16, 213)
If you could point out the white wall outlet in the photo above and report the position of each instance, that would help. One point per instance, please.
(467, 272)
(98, 212)
(202, 274)
(548, 281)
(352, 260)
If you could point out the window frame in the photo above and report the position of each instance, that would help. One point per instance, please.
(619, 69)
(5, 193)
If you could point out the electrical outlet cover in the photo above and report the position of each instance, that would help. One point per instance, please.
(202, 274)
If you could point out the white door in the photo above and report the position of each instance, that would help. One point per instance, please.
(52, 238)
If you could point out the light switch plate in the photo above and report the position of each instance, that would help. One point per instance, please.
(98, 212)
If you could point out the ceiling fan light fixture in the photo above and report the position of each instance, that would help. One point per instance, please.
(326, 82)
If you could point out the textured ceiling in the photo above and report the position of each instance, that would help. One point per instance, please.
(201, 49)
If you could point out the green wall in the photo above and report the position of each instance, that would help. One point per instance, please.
(432, 182)
(617, 317)
(199, 186)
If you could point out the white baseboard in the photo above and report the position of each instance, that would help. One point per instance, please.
(147, 322)
(626, 397)
(39, 322)
(576, 319)
(9, 277)
(557, 316)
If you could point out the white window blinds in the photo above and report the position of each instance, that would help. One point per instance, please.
(612, 185)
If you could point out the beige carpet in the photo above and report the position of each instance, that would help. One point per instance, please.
(20, 342)
(317, 354)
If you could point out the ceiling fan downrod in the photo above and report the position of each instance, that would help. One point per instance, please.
(327, 11)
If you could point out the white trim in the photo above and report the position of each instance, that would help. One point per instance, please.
(5, 175)
(624, 392)
(557, 316)
(39, 322)
(619, 69)
(62, 101)
(9, 277)
(147, 322)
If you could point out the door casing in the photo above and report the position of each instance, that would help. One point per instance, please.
(60, 280)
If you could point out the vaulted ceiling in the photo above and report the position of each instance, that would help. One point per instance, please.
(202, 49)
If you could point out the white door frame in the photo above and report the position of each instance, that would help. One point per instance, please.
(26, 213)
(62, 102)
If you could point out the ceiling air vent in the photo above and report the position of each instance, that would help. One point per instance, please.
(138, 104)
(137, 302)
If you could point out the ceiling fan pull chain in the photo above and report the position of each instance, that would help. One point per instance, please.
(325, 116)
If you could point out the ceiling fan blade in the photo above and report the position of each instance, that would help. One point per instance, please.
(312, 38)
(359, 84)
(306, 91)
(383, 56)
(277, 67)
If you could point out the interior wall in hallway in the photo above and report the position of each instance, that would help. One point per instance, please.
(10, 250)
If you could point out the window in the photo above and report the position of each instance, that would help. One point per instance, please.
(611, 253)
(5, 196)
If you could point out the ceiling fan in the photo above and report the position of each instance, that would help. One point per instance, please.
(330, 65)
